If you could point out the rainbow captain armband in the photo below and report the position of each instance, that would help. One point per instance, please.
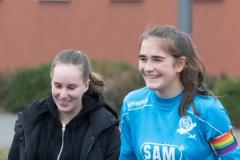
(224, 143)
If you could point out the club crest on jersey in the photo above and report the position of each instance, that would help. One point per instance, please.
(186, 126)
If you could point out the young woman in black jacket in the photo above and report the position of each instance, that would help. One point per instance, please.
(73, 122)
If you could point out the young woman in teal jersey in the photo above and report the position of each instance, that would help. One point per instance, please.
(174, 117)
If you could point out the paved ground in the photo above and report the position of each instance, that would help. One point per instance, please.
(7, 122)
(237, 135)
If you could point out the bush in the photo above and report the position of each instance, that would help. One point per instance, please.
(209, 82)
(228, 91)
(120, 78)
(26, 85)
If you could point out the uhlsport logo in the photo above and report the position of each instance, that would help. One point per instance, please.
(156, 151)
(186, 126)
(138, 103)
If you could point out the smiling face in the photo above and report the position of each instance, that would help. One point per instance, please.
(159, 69)
(68, 88)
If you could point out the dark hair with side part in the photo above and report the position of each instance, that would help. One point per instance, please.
(79, 58)
(179, 44)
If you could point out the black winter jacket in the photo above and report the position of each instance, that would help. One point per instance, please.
(92, 135)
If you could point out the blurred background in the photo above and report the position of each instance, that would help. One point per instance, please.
(33, 32)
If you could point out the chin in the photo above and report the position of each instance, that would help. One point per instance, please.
(63, 109)
(152, 87)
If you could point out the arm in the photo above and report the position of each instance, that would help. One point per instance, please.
(219, 133)
(226, 146)
(113, 144)
(14, 150)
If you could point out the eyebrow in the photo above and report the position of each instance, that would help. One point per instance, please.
(72, 84)
(140, 56)
(158, 57)
(56, 82)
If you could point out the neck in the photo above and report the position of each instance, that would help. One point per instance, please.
(66, 117)
(170, 92)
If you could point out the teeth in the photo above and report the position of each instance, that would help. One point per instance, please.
(152, 77)
(64, 101)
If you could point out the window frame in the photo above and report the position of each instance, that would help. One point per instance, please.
(52, 0)
(125, 0)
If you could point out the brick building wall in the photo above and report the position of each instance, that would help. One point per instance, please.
(33, 32)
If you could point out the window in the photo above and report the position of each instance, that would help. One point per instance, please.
(53, 0)
(207, 0)
(125, 0)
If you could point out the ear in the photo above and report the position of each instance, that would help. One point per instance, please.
(180, 64)
(86, 84)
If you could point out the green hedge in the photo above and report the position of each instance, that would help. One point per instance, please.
(26, 85)
(120, 78)
(228, 92)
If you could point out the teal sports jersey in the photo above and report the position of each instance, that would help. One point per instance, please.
(152, 129)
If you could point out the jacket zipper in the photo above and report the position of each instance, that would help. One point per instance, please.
(63, 129)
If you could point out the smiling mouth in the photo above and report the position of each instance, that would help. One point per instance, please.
(64, 101)
(152, 77)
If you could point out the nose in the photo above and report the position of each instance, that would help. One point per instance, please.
(63, 93)
(148, 67)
